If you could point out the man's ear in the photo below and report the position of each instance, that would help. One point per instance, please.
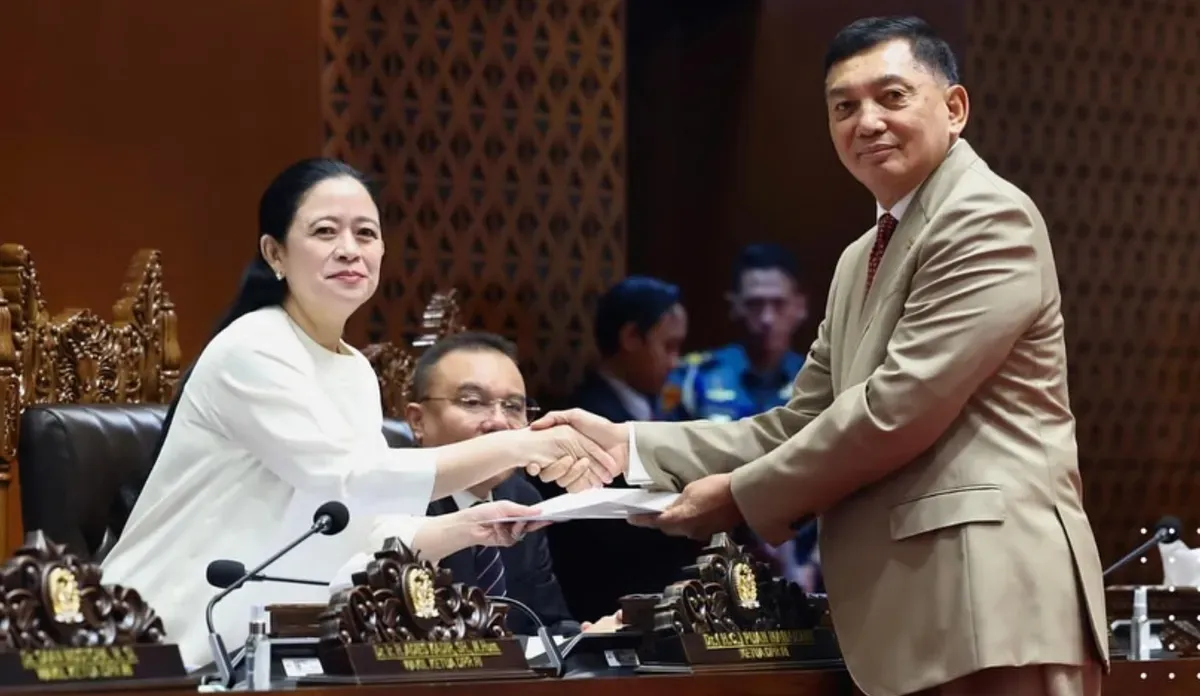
(629, 338)
(802, 308)
(959, 106)
(272, 251)
(735, 306)
(414, 413)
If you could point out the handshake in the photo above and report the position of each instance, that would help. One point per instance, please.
(577, 450)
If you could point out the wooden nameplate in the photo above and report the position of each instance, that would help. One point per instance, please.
(746, 651)
(94, 669)
(453, 660)
(403, 620)
(54, 605)
(731, 615)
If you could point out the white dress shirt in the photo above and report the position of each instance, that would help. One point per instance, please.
(638, 406)
(270, 425)
(465, 499)
(897, 210)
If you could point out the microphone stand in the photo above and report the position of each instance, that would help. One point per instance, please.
(289, 581)
(215, 643)
(1160, 535)
(543, 633)
(1139, 624)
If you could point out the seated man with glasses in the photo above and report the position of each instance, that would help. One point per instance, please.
(466, 385)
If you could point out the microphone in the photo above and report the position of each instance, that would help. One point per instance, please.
(329, 519)
(548, 644)
(1165, 532)
(224, 572)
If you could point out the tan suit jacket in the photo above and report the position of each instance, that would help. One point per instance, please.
(931, 431)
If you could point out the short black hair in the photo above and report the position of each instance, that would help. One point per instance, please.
(765, 257)
(639, 300)
(928, 48)
(473, 341)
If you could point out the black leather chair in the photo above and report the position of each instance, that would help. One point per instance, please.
(82, 465)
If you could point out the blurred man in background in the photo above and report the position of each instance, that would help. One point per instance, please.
(753, 374)
(640, 328)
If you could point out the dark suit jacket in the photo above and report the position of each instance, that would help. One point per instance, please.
(600, 561)
(528, 572)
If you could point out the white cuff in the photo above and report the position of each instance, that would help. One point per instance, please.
(635, 474)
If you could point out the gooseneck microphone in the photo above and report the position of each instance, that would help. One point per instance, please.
(329, 519)
(225, 572)
(543, 633)
(1165, 532)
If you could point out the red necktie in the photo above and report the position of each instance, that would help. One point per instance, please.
(883, 235)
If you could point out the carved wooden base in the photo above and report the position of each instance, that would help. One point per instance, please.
(423, 661)
(130, 667)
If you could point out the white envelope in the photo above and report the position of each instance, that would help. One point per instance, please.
(601, 504)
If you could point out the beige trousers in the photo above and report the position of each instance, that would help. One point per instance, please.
(1036, 680)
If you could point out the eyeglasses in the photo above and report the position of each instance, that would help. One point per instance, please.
(517, 410)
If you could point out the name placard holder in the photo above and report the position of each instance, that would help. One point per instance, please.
(732, 615)
(403, 620)
(744, 651)
(93, 669)
(424, 661)
(53, 603)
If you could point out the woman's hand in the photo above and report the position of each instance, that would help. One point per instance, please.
(593, 432)
(441, 535)
(482, 529)
(565, 456)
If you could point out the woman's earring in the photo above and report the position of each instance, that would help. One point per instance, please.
(278, 275)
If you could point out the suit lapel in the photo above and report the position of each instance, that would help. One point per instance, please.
(929, 196)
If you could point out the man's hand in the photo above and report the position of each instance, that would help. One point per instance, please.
(605, 624)
(704, 508)
(611, 438)
(563, 455)
(483, 530)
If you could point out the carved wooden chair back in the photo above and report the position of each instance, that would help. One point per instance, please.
(394, 364)
(77, 356)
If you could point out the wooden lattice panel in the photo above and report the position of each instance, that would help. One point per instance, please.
(497, 130)
(1093, 107)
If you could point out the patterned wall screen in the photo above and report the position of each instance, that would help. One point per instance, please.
(496, 127)
(1093, 107)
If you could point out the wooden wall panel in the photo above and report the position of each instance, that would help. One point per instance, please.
(1093, 107)
(142, 123)
(497, 131)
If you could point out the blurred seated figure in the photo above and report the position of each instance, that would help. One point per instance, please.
(640, 327)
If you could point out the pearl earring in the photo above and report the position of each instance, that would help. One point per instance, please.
(278, 275)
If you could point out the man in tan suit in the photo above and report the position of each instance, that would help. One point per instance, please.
(930, 426)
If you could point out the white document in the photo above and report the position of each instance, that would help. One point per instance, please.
(601, 504)
(534, 647)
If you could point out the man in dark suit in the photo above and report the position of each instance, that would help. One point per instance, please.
(640, 327)
(466, 385)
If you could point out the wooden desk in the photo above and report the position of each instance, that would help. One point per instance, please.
(1163, 678)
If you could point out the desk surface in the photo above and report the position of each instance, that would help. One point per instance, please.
(1162, 678)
